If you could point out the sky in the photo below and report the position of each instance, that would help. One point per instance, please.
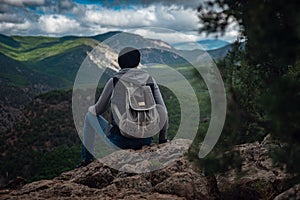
(91, 17)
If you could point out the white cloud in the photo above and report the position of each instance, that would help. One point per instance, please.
(15, 28)
(173, 17)
(66, 4)
(57, 24)
(167, 35)
(177, 18)
(187, 4)
(120, 18)
(9, 17)
(232, 31)
(24, 2)
(57, 18)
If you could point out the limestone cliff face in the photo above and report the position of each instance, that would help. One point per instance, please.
(180, 179)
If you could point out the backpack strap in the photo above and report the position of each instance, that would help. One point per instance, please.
(108, 123)
(151, 84)
(115, 80)
(148, 82)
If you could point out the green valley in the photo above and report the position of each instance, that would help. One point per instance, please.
(41, 70)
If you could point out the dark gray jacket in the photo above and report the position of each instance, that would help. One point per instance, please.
(104, 100)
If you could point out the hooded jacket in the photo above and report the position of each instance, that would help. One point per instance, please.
(103, 102)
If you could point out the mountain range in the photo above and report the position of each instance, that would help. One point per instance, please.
(46, 63)
(36, 123)
(31, 65)
(207, 44)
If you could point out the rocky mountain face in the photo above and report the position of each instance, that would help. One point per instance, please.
(181, 179)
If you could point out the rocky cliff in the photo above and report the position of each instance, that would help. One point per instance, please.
(181, 179)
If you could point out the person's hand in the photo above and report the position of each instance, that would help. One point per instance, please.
(92, 110)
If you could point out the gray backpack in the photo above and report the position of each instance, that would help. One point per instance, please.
(133, 105)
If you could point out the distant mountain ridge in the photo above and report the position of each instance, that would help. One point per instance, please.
(53, 62)
(8, 41)
(212, 44)
(31, 65)
(206, 44)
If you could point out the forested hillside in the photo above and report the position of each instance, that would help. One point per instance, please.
(262, 79)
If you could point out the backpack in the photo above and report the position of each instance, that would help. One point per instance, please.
(133, 106)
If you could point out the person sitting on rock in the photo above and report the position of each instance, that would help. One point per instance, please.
(138, 109)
